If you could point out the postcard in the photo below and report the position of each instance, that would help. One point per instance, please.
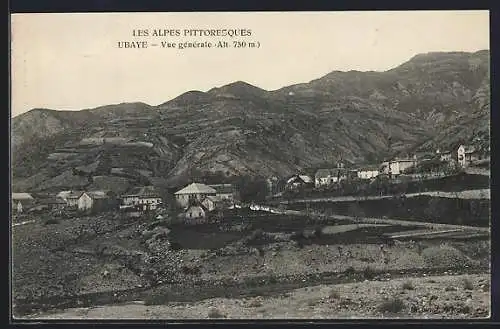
(250, 165)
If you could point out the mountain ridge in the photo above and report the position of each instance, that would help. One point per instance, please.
(240, 128)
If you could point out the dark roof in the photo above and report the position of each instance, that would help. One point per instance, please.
(52, 201)
(144, 191)
(222, 188)
(469, 148)
(74, 194)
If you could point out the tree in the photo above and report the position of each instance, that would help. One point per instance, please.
(251, 189)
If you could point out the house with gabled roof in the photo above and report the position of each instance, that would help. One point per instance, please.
(196, 213)
(467, 154)
(71, 197)
(299, 181)
(22, 202)
(96, 201)
(193, 191)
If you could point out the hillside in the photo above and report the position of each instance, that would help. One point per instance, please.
(241, 129)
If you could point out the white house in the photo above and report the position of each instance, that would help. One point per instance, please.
(368, 172)
(195, 214)
(467, 154)
(145, 197)
(397, 167)
(326, 177)
(194, 191)
(444, 155)
(94, 200)
(22, 201)
(71, 197)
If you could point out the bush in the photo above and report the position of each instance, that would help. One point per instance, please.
(333, 294)
(408, 285)
(445, 256)
(468, 285)
(394, 305)
(214, 313)
(369, 273)
(51, 221)
(350, 270)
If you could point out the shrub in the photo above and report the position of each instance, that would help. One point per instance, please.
(190, 270)
(214, 313)
(369, 273)
(468, 285)
(445, 256)
(408, 285)
(393, 305)
(350, 270)
(333, 294)
(155, 299)
(51, 221)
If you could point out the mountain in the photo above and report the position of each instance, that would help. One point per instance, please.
(236, 129)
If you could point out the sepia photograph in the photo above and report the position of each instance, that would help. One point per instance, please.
(250, 165)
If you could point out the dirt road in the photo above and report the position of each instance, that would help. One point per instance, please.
(468, 194)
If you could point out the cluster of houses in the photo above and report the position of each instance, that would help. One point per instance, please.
(465, 156)
(196, 200)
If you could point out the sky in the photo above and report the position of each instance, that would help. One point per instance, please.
(72, 61)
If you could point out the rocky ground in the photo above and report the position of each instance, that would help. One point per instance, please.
(105, 260)
(437, 297)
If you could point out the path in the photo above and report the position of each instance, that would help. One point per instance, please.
(468, 194)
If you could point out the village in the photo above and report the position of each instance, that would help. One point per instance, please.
(195, 201)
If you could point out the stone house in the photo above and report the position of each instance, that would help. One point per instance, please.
(193, 192)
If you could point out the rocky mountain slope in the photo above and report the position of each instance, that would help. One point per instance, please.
(242, 129)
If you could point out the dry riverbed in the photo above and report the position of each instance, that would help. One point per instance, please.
(437, 297)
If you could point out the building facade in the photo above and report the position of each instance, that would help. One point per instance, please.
(145, 198)
(467, 154)
(397, 167)
(224, 191)
(368, 173)
(193, 192)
